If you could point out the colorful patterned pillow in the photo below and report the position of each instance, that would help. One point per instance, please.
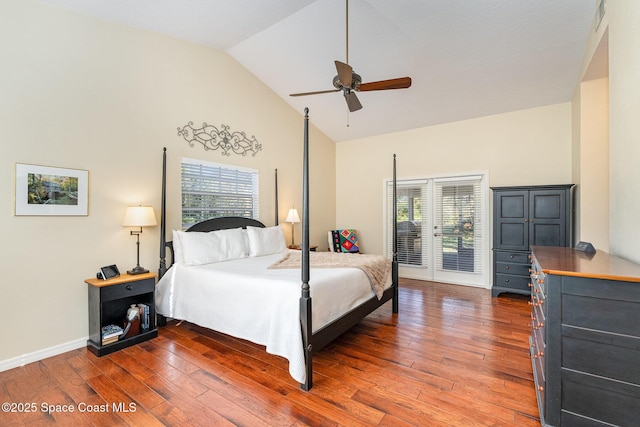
(345, 240)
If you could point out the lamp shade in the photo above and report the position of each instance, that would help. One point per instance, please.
(139, 216)
(292, 217)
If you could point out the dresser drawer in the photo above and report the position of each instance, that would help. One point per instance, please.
(517, 257)
(538, 376)
(538, 320)
(539, 283)
(513, 268)
(512, 282)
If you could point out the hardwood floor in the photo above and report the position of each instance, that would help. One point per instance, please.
(453, 356)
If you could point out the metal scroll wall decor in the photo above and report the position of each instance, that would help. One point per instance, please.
(213, 138)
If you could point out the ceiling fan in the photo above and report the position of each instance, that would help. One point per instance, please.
(349, 82)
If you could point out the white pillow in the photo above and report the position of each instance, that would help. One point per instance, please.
(266, 241)
(177, 248)
(199, 248)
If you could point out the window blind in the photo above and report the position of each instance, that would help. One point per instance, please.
(412, 207)
(211, 190)
(458, 220)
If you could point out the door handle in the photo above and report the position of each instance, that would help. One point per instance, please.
(436, 234)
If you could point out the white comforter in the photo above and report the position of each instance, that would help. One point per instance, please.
(244, 299)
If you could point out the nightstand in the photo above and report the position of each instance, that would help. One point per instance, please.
(312, 248)
(109, 301)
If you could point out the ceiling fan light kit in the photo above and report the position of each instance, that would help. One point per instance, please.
(349, 82)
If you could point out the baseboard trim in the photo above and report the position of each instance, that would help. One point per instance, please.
(24, 359)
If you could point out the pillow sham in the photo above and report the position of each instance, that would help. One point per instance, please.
(177, 248)
(266, 241)
(198, 248)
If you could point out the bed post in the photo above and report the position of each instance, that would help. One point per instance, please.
(305, 298)
(163, 219)
(276, 196)
(161, 320)
(394, 262)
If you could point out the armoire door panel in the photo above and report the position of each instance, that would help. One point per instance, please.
(547, 235)
(545, 205)
(513, 206)
(513, 236)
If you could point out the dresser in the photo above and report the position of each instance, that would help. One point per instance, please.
(585, 337)
(524, 216)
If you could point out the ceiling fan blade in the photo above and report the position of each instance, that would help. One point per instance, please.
(352, 101)
(345, 73)
(314, 93)
(399, 83)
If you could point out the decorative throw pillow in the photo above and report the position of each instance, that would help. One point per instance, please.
(266, 241)
(345, 240)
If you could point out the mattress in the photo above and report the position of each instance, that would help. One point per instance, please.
(245, 299)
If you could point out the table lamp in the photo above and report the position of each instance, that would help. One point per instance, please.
(293, 218)
(139, 216)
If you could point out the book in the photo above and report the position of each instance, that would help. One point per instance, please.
(110, 340)
(110, 331)
(144, 317)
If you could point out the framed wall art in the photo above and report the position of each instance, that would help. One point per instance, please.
(45, 190)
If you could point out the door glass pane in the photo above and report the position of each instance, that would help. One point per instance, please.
(458, 225)
(409, 229)
(411, 200)
(458, 207)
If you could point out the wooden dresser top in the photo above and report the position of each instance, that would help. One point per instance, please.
(599, 265)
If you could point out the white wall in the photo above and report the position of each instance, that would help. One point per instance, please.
(80, 93)
(525, 147)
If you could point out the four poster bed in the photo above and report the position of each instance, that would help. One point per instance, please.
(257, 297)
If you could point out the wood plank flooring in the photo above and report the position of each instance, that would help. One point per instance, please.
(453, 356)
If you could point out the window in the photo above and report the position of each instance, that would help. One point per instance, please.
(211, 190)
(412, 219)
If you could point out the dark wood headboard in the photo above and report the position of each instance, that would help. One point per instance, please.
(225, 223)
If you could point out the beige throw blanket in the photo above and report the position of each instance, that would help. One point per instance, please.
(376, 267)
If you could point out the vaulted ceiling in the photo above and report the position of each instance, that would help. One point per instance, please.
(466, 58)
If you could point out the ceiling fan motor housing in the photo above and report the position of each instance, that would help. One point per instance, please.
(356, 80)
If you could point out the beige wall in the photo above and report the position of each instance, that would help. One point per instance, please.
(590, 141)
(619, 37)
(593, 160)
(575, 160)
(504, 145)
(80, 93)
(624, 137)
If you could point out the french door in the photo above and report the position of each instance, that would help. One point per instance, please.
(459, 236)
(442, 229)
